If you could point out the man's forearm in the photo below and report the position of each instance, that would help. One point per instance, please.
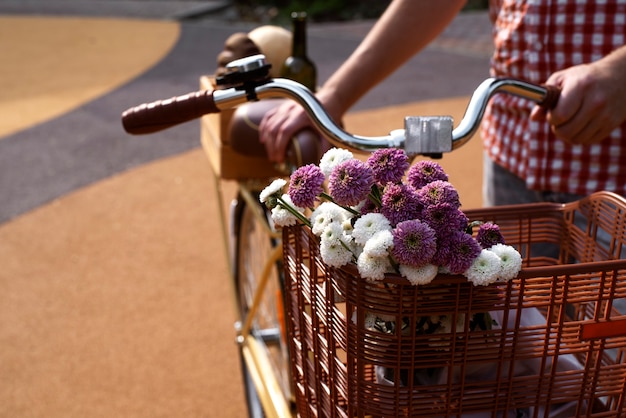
(405, 28)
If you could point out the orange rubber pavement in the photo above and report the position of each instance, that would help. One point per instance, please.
(114, 300)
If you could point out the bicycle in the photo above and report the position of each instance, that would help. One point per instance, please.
(271, 390)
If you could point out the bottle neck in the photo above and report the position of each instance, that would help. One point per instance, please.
(299, 35)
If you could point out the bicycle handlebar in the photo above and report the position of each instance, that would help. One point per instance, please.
(153, 117)
(421, 135)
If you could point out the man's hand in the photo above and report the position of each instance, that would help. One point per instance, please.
(592, 102)
(282, 123)
(278, 126)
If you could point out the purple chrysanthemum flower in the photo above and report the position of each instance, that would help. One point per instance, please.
(444, 218)
(489, 235)
(439, 191)
(414, 243)
(350, 182)
(443, 253)
(388, 165)
(305, 185)
(425, 171)
(462, 249)
(400, 203)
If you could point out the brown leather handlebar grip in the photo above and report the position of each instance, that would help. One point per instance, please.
(551, 98)
(162, 114)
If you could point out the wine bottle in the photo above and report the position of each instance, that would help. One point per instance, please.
(298, 66)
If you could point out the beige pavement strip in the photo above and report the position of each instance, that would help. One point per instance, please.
(53, 65)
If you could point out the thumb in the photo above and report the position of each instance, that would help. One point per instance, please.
(538, 113)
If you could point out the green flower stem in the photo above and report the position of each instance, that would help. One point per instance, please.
(294, 212)
(328, 197)
(375, 197)
(394, 264)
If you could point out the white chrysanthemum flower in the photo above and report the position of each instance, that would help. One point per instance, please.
(372, 268)
(332, 158)
(369, 224)
(334, 253)
(333, 233)
(347, 227)
(379, 244)
(282, 216)
(326, 213)
(356, 249)
(273, 188)
(419, 275)
(485, 269)
(510, 261)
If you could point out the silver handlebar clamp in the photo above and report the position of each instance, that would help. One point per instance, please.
(428, 135)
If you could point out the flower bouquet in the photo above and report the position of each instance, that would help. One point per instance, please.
(387, 216)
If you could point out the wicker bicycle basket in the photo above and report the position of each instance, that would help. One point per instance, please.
(555, 346)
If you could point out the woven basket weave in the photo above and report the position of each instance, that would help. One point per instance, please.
(556, 347)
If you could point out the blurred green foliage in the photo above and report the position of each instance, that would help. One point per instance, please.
(278, 11)
(317, 10)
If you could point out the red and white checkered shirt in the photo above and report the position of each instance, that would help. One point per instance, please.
(533, 39)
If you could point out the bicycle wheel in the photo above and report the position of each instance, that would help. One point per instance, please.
(254, 248)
